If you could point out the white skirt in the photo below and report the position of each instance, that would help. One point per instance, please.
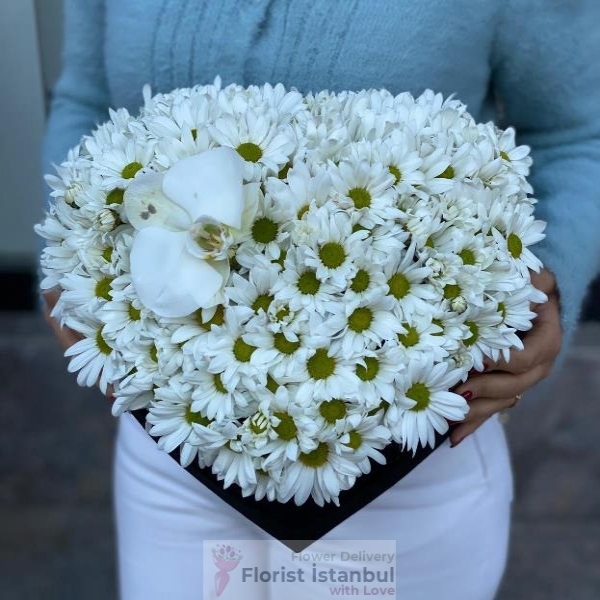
(450, 519)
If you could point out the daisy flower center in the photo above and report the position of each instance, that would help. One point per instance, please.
(101, 343)
(272, 385)
(217, 319)
(502, 310)
(332, 410)
(258, 423)
(153, 352)
(115, 196)
(262, 301)
(399, 285)
(515, 245)
(308, 283)
(370, 370)
(107, 253)
(134, 313)
(360, 319)
(102, 289)
(474, 329)
(250, 151)
(283, 345)
(355, 440)
(242, 351)
(286, 429)
(360, 196)
(410, 338)
(130, 170)
(332, 255)
(440, 324)
(420, 393)
(467, 256)
(451, 291)
(316, 458)
(264, 230)
(195, 417)
(283, 172)
(302, 211)
(361, 281)
(218, 383)
(447, 173)
(396, 172)
(320, 365)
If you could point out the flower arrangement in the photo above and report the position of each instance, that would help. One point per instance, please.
(290, 283)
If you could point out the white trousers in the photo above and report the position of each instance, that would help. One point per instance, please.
(450, 518)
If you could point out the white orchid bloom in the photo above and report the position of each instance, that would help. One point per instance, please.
(187, 219)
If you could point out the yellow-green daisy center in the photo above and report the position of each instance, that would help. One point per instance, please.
(115, 196)
(250, 151)
(217, 319)
(355, 441)
(332, 410)
(130, 170)
(264, 230)
(242, 351)
(286, 429)
(218, 383)
(134, 313)
(474, 329)
(332, 255)
(515, 245)
(360, 319)
(316, 458)
(320, 365)
(467, 256)
(370, 370)
(410, 338)
(196, 417)
(283, 345)
(452, 291)
(396, 172)
(360, 196)
(262, 301)
(447, 173)
(420, 393)
(361, 281)
(308, 283)
(101, 343)
(399, 285)
(103, 287)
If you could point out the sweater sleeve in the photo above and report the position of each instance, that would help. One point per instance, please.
(547, 76)
(80, 98)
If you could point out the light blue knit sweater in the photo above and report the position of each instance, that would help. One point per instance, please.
(541, 58)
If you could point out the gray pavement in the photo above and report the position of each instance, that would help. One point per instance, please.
(56, 528)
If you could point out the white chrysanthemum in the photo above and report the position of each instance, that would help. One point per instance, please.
(361, 326)
(368, 190)
(330, 251)
(423, 404)
(361, 438)
(94, 360)
(321, 474)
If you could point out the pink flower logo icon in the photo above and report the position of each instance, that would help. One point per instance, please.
(226, 559)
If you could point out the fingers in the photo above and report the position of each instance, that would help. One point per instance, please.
(544, 281)
(480, 410)
(498, 385)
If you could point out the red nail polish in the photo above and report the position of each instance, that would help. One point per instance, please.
(467, 395)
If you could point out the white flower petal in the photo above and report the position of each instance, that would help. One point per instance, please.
(209, 184)
(146, 205)
(167, 279)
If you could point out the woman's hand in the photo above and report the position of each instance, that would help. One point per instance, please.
(502, 384)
